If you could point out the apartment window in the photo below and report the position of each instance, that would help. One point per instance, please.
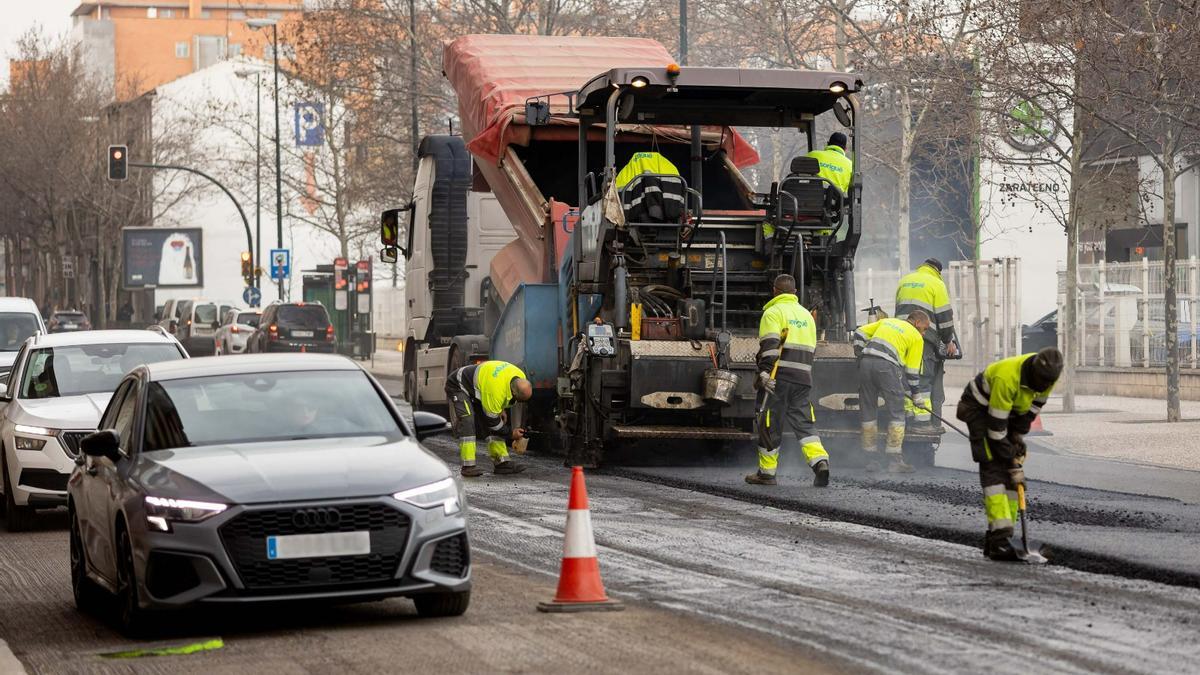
(235, 49)
(181, 50)
(237, 15)
(286, 52)
(205, 14)
(274, 15)
(167, 13)
(151, 12)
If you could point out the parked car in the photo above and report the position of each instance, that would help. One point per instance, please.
(293, 327)
(19, 320)
(265, 478)
(67, 321)
(198, 323)
(235, 330)
(53, 398)
(168, 315)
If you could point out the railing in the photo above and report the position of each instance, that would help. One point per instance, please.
(1120, 317)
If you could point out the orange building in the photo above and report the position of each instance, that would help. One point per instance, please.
(133, 46)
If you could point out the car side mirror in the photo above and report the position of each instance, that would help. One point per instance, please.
(429, 424)
(103, 443)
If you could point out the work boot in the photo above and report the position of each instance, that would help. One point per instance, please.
(898, 465)
(821, 474)
(997, 547)
(760, 478)
(471, 471)
(507, 467)
(874, 463)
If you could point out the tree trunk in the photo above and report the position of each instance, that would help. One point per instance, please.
(1067, 321)
(1170, 308)
(904, 183)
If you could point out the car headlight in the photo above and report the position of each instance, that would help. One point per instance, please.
(443, 493)
(25, 436)
(161, 511)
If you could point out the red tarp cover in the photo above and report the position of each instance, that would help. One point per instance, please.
(493, 75)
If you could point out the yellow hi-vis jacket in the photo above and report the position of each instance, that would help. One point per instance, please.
(896, 341)
(924, 289)
(836, 167)
(795, 355)
(1011, 405)
(493, 389)
(645, 162)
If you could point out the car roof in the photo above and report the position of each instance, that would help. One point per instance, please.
(9, 304)
(208, 366)
(99, 337)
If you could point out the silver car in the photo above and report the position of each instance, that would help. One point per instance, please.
(53, 397)
(263, 479)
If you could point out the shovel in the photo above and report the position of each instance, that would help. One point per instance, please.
(1025, 553)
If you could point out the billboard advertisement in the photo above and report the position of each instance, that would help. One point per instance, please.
(162, 257)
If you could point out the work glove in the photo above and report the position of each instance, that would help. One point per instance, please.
(518, 434)
(765, 383)
(1016, 476)
(1019, 447)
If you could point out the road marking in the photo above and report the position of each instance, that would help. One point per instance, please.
(180, 650)
(9, 665)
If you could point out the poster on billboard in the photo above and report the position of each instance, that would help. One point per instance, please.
(162, 257)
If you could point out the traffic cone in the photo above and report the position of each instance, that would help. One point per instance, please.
(579, 585)
(1036, 429)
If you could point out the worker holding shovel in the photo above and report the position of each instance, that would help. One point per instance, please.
(999, 405)
(787, 342)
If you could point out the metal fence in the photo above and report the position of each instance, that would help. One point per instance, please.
(1120, 317)
(988, 323)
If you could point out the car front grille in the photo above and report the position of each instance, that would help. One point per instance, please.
(245, 540)
(451, 556)
(70, 441)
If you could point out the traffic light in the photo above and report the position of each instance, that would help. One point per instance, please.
(118, 162)
(247, 268)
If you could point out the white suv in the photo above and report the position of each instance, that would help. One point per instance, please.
(54, 396)
(19, 319)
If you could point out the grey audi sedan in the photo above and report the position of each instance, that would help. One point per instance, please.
(264, 478)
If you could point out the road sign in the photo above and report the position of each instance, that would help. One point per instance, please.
(281, 263)
(68, 267)
(252, 296)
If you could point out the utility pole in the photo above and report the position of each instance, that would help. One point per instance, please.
(278, 162)
(683, 36)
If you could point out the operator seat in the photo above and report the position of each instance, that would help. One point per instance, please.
(809, 198)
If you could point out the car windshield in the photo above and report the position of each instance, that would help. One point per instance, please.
(15, 327)
(248, 319)
(87, 369)
(206, 313)
(303, 316)
(260, 407)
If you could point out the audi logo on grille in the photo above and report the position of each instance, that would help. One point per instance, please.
(307, 518)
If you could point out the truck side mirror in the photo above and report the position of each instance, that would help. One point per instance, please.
(389, 232)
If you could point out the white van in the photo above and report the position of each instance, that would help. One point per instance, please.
(19, 320)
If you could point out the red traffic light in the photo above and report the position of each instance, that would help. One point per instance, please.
(118, 162)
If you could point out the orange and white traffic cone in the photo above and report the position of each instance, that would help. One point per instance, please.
(1036, 429)
(579, 585)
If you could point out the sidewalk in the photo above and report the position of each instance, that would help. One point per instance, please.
(386, 363)
(1118, 427)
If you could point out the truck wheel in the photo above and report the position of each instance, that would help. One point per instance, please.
(411, 392)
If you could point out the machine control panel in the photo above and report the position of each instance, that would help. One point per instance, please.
(600, 340)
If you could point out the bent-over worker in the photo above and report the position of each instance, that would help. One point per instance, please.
(999, 405)
(784, 382)
(479, 396)
(889, 366)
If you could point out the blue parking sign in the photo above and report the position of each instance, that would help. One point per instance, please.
(310, 124)
(281, 263)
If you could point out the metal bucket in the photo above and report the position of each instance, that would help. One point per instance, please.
(720, 385)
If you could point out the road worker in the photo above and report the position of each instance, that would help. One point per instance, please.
(836, 167)
(889, 366)
(924, 289)
(479, 396)
(784, 381)
(999, 405)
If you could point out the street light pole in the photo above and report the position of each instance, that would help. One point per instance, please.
(256, 24)
(278, 164)
(257, 252)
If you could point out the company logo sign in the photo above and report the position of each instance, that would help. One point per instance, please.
(1029, 126)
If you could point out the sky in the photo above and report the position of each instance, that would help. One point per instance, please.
(54, 16)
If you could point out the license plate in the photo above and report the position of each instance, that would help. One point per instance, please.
(302, 333)
(288, 546)
(70, 326)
